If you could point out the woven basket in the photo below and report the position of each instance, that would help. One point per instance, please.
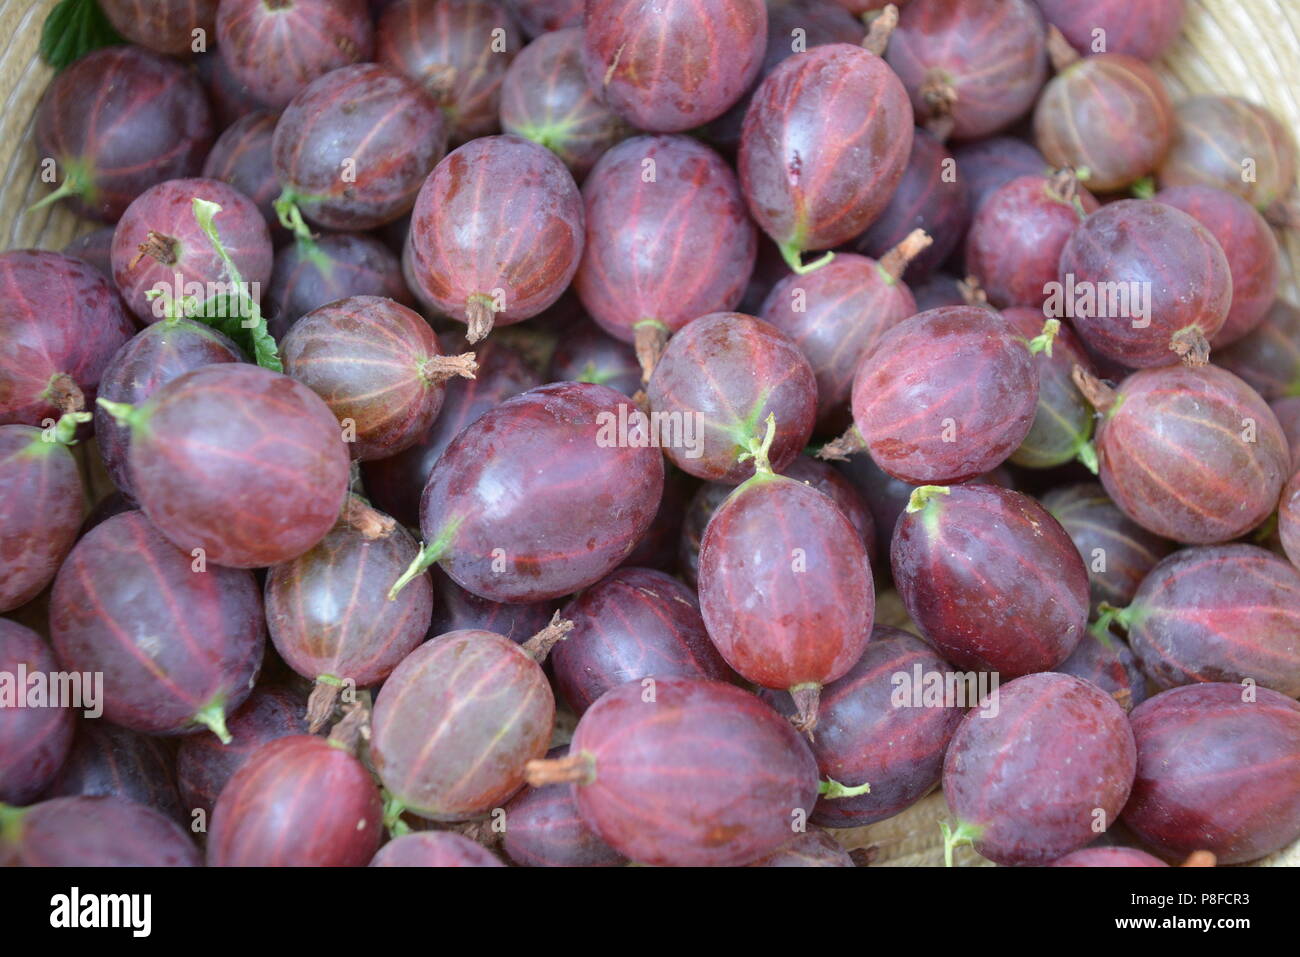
(1250, 48)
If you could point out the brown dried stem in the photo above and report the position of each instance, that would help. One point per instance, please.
(972, 293)
(320, 704)
(540, 645)
(839, 450)
(880, 29)
(156, 246)
(896, 261)
(479, 313)
(650, 340)
(806, 701)
(1063, 186)
(438, 369)
(1099, 395)
(480, 832)
(440, 80)
(1059, 50)
(1285, 213)
(940, 96)
(355, 727)
(1192, 346)
(865, 856)
(575, 768)
(370, 522)
(65, 394)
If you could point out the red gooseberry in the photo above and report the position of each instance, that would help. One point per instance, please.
(1142, 284)
(299, 801)
(785, 585)
(490, 257)
(1108, 113)
(1042, 777)
(945, 395)
(277, 48)
(971, 67)
(327, 614)
(88, 831)
(1218, 770)
(956, 550)
(34, 738)
(1193, 455)
(209, 455)
(378, 367)
(457, 721)
(178, 649)
(668, 240)
(676, 65)
(541, 446)
(1218, 613)
(685, 772)
(825, 143)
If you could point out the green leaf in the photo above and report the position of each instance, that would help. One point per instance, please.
(73, 29)
(243, 322)
(235, 313)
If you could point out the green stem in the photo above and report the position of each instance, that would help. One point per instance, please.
(77, 181)
(832, 790)
(1087, 454)
(1043, 341)
(286, 208)
(1265, 531)
(290, 216)
(311, 252)
(65, 430)
(793, 257)
(126, 415)
(1144, 188)
(954, 838)
(760, 449)
(173, 310)
(213, 717)
(65, 189)
(1100, 628)
(922, 496)
(1120, 616)
(205, 213)
(428, 556)
(423, 561)
(11, 824)
(393, 811)
(541, 135)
